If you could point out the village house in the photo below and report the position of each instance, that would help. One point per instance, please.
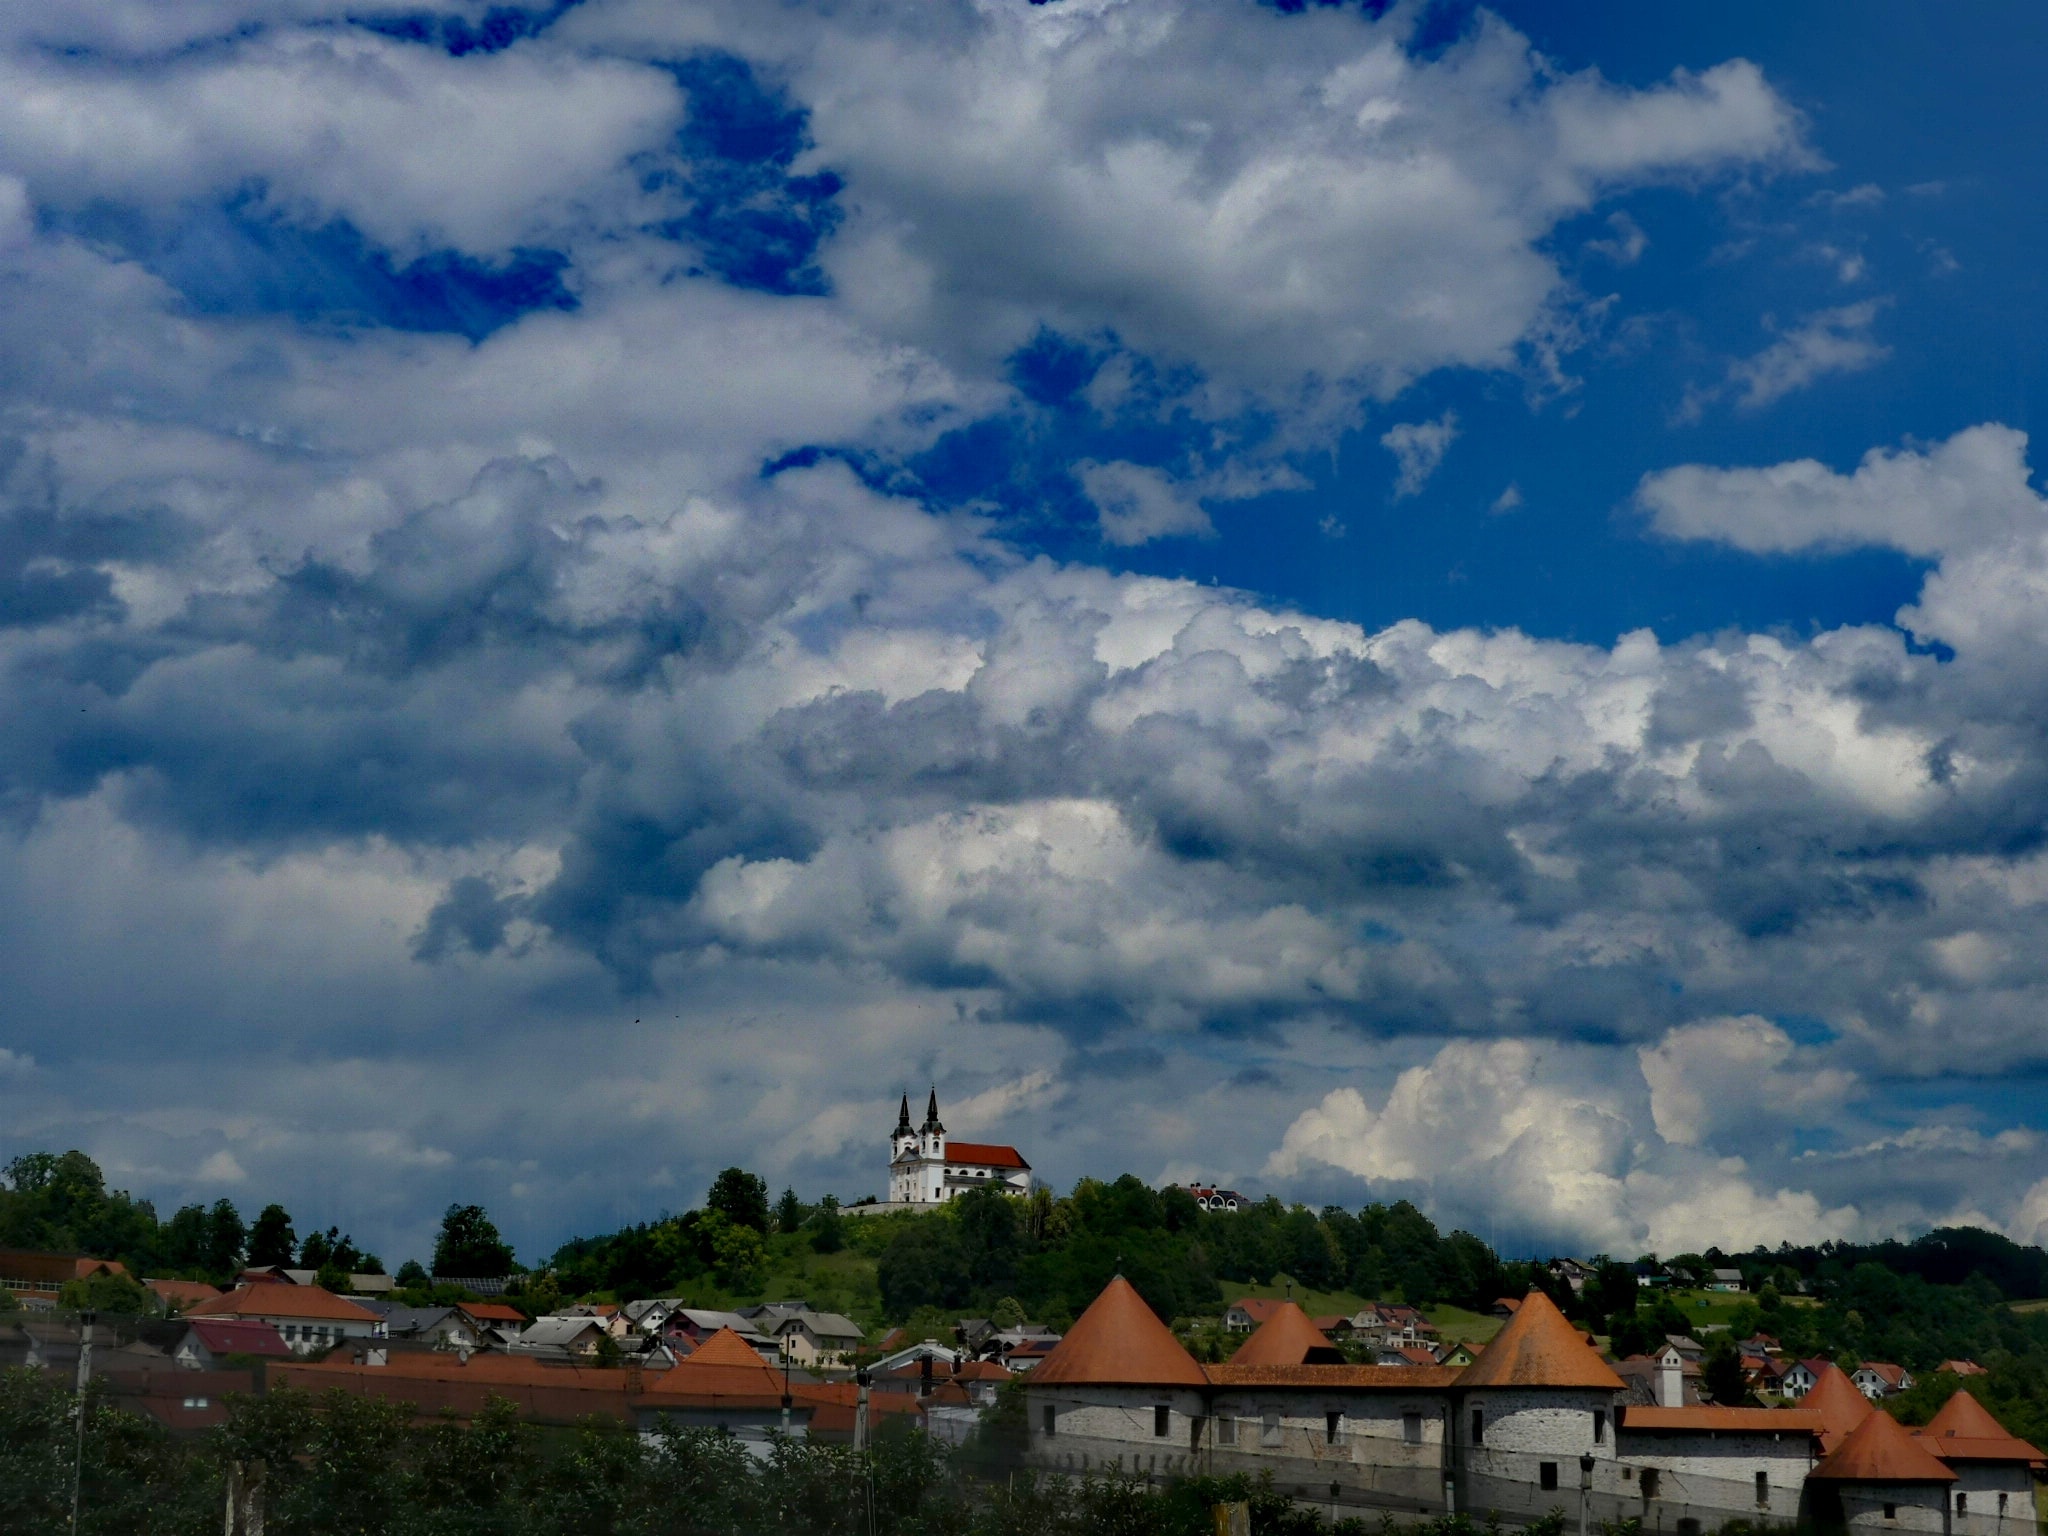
(1880, 1378)
(308, 1317)
(208, 1341)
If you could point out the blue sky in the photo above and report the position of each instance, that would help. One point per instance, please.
(1357, 600)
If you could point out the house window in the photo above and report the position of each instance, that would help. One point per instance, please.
(1162, 1420)
(1046, 1418)
(1226, 1431)
(1546, 1476)
(1891, 1511)
(1962, 1503)
(1599, 1426)
(195, 1402)
(1411, 1428)
(1332, 1423)
(1763, 1491)
(1479, 1426)
(1650, 1480)
(1269, 1428)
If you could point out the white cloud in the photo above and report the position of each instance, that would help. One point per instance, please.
(1970, 490)
(1136, 505)
(1516, 1136)
(15, 1063)
(1825, 342)
(1418, 448)
(220, 1168)
(1717, 1074)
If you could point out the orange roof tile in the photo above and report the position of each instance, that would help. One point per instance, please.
(491, 1311)
(1538, 1348)
(182, 1293)
(1964, 1430)
(1119, 1340)
(1838, 1403)
(1260, 1309)
(724, 1369)
(1789, 1421)
(1288, 1338)
(1392, 1378)
(1880, 1451)
(269, 1298)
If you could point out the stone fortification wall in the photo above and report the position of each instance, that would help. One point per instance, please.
(1997, 1499)
(1721, 1469)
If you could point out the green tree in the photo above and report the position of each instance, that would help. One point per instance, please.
(272, 1242)
(741, 1198)
(827, 1227)
(1721, 1375)
(737, 1253)
(789, 1212)
(469, 1245)
(411, 1276)
(120, 1294)
(225, 1235)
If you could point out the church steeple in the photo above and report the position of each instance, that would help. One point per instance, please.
(931, 1113)
(903, 1117)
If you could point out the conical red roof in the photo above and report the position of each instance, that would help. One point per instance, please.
(1539, 1348)
(1964, 1430)
(1119, 1341)
(1838, 1404)
(1288, 1338)
(723, 1367)
(1880, 1451)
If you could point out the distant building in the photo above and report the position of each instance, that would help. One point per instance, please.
(926, 1169)
(1210, 1198)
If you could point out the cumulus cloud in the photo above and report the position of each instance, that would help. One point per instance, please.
(396, 703)
(1512, 1136)
(1418, 448)
(1137, 505)
(1715, 1074)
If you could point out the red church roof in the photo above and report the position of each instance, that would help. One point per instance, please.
(985, 1154)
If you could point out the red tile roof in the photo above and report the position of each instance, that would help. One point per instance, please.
(269, 1298)
(491, 1312)
(1964, 1430)
(1880, 1451)
(1260, 1309)
(1538, 1348)
(1119, 1340)
(182, 1293)
(1705, 1417)
(724, 1371)
(437, 1384)
(985, 1154)
(1840, 1405)
(234, 1336)
(1287, 1337)
(1402, 1378)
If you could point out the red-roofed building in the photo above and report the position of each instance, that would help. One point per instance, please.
(178, 1295)
(42, 1275)
(926, 1169)
(309, 1317)
(208, 1341)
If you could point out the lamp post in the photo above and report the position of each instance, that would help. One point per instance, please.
(862, 1380)
(85, 1320)
(1585, 1489)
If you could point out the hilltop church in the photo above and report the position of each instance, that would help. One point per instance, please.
(926, 1169)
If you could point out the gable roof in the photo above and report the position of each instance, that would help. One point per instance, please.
(1288, 1338)
(1840, 1405)
(491, 1311)
(1537, 1347)
(1119, 1340)
(1260, 1309)
(181, 1293)
(985, 1154)
(1880, 1451)
(235, 1336)
(1964, 1430)
(271, 1298)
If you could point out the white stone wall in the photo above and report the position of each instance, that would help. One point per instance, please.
(1914, 1508)
(1719, 1470)
(1544, 1422)
(1981, 1484)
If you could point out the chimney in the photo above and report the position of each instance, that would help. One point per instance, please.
(1670, 1380)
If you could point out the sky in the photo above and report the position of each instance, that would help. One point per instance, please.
(1361, 601)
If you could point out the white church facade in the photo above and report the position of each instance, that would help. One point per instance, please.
(926, 1169)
